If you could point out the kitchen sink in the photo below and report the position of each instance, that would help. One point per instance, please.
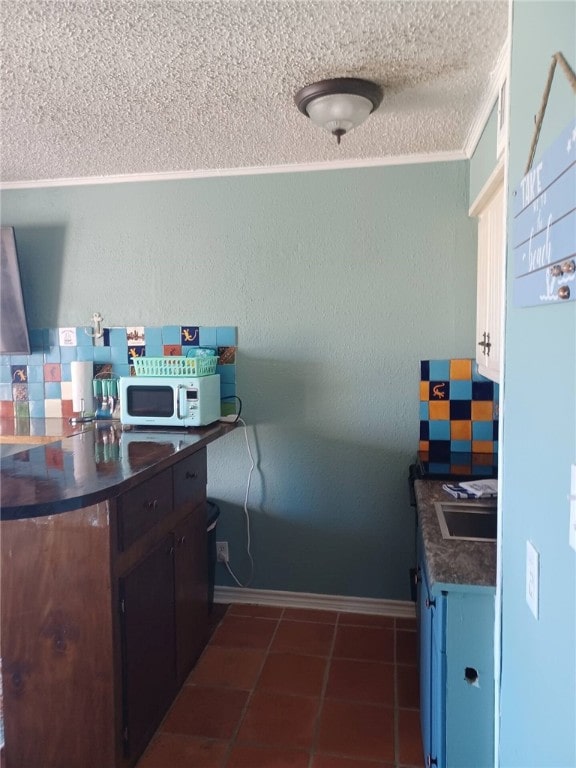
(468, 520)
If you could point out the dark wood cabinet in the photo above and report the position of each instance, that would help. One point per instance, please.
(163, 596)
(163, 626)
(191, 570)
(143, 507)
(190, 477)
(147, 630)
(104, 612)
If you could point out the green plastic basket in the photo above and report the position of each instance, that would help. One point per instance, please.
(174, 366)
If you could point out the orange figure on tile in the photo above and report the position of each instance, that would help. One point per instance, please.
(187, 336)
(438, 390)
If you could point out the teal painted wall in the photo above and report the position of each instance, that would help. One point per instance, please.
(538, 687)
(339, 283)
(484, 159)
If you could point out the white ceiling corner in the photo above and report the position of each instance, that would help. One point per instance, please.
(104, 90)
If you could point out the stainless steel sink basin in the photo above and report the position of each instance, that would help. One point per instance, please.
(468, 520)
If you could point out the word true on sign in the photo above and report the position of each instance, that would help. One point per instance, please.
(545, 227)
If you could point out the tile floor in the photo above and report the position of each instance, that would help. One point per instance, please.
(292, 688)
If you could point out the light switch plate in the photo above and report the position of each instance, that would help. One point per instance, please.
(572, 534)
(532, 578)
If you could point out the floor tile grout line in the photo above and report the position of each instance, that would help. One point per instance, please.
(232, 740)
(159, 730)
(267, 652)
(251, 692)
(329, 658)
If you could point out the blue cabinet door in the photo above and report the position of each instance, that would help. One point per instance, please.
(425, 636)
(438, 683)
(456, 626)
(431, 612)
(469, 690)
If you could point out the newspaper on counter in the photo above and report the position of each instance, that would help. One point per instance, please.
(473, 489)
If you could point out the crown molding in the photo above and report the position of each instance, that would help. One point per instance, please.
(499, 73)
(434, 157)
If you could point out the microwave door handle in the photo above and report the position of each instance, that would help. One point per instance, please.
(181, 402)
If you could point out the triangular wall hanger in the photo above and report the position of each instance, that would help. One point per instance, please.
(557, 58)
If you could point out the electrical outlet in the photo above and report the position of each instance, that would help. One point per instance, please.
(532, 578)
(222, 551)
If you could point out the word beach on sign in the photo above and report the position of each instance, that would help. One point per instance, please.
(544, 229)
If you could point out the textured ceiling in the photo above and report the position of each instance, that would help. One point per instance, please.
(101, 87)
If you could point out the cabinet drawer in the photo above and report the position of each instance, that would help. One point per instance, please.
(190, 477)
(142, 507)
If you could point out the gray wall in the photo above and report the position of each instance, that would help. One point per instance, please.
(339, 283)
(538, 699)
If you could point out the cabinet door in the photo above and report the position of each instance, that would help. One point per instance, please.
(425, 638)
(491, 249)
(148, 644)
(469, 698)
(431, 611)
(191, 590)
(438, 684)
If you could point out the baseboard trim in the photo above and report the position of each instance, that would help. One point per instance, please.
(397, 608)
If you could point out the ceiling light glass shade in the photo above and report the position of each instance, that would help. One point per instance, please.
(343, 111)
(340, 104)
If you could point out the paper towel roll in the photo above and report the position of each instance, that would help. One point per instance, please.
(82, 397)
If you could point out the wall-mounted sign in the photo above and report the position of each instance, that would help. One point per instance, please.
(545, 227)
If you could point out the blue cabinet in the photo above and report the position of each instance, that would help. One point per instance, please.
(456, 625)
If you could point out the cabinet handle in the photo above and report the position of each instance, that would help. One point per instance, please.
(152, 504)
(430, 603)
(431, 761)
(418, 576)
(485, 343)
(191, 475)
(181, 540)
(170, 551)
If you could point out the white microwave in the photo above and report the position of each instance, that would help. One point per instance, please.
(169, 401)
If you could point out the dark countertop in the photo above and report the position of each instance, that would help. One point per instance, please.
(452, 564)
(87, 468)
(38, 430)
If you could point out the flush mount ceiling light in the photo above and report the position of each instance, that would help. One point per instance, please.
(340, 104)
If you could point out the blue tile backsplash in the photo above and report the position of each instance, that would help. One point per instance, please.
(39, 385)
(458, 416)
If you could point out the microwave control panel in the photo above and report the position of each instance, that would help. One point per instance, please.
(191, 401)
